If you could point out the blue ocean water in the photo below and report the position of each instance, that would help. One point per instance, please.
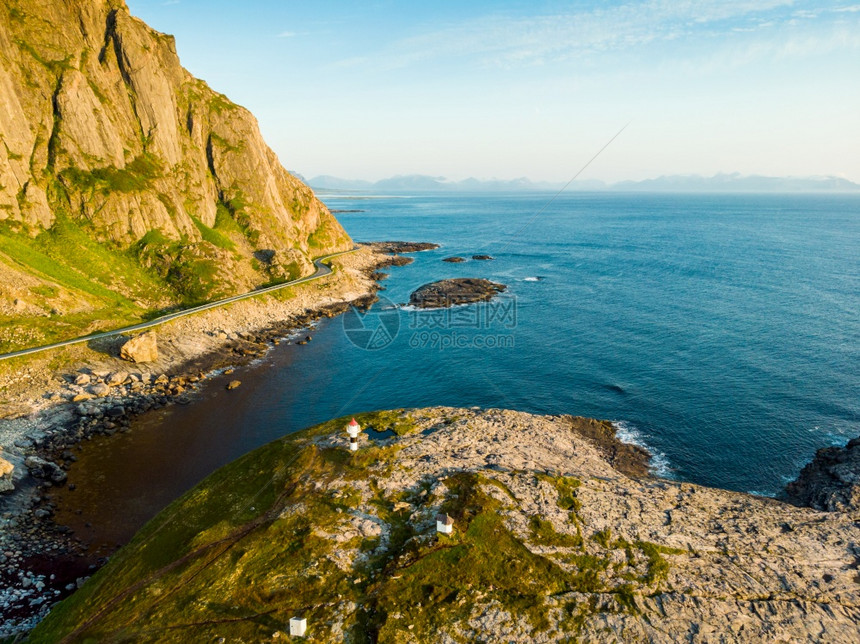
(721, 332)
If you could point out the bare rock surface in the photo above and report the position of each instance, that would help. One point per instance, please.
(46, 470)
(141, 348)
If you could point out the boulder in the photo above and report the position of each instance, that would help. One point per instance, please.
(6, 469)
(116, 378)
(41, 469)
(141, 348)
(233, 384)
(82, 379)
(99, 389)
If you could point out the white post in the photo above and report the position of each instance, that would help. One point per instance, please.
(298, 626)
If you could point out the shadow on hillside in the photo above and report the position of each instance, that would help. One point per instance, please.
(108, 346)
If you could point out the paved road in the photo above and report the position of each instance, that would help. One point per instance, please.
(322, 269)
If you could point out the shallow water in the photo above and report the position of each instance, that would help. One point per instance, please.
(722, 332)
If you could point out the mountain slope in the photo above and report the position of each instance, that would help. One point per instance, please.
(126, 184)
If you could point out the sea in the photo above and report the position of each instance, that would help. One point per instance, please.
(721, 332)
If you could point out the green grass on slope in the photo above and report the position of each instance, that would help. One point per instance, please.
(328, 235)
(254, 544)
(243, 560)
(66, 255)
(213, 236)
(138, 175)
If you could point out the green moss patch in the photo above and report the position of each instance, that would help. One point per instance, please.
(137, 176)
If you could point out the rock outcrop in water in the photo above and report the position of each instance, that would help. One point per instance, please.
(452, 292)
(126, 184)
(550, 543)
(831, 481)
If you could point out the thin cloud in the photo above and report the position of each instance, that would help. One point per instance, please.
(505, 41)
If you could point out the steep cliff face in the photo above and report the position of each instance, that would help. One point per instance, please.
(126, 184)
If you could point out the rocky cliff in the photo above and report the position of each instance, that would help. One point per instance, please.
(830, 482)
(126, 184)
(557, 536)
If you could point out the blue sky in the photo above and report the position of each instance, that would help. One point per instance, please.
(510, 89)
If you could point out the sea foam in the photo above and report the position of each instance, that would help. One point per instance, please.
(629, 433)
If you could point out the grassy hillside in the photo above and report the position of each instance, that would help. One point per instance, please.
(274, 534)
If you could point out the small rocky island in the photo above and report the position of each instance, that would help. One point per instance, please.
(395, 247)
(454, 260)
(453, 525)
(451, 292)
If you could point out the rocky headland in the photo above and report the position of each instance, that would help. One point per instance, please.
(453, 292)
(549, 542)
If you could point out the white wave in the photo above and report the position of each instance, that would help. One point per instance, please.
(418, 309)
(628, 433)
(761, 493)
(531, 279)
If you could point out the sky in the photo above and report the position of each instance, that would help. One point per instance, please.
(507, 89)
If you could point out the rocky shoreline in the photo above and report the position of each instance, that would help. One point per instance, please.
(97, 393)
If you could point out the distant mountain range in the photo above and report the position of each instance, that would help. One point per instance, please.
(734, 182)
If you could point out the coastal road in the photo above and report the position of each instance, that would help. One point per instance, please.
(322, 270)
